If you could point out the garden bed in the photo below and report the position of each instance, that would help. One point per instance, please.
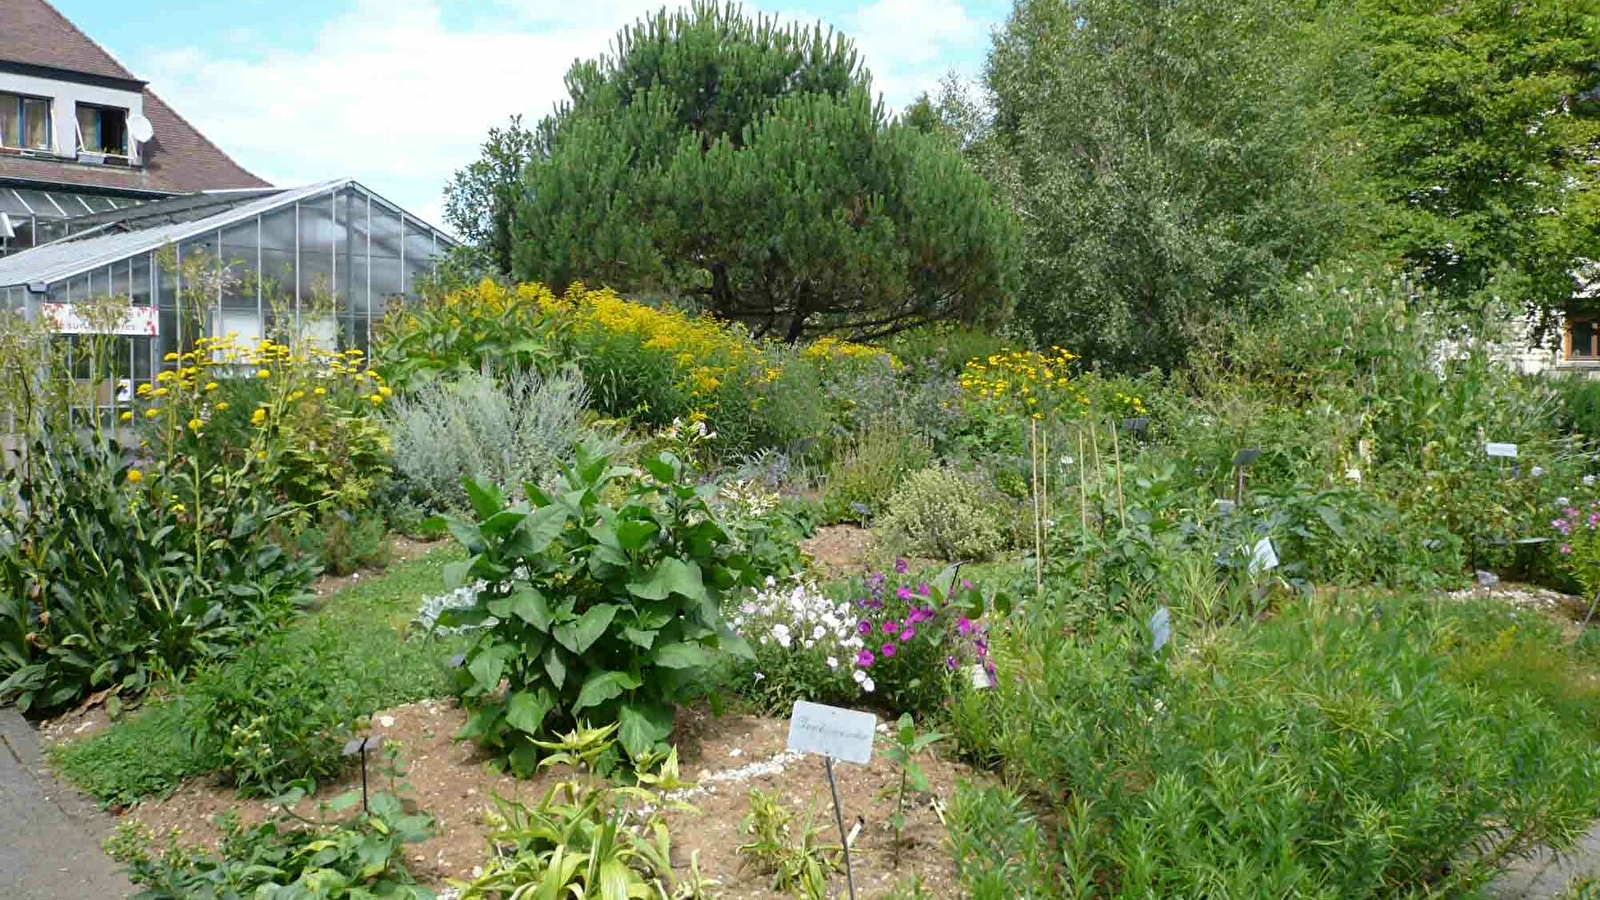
(724, 757)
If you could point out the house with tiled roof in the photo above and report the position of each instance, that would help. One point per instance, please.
(106, 191)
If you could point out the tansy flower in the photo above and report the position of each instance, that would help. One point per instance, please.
(376, 399)
(127, 416)
(258, 417)
(320, 391)
(385, 391)
(263, 373)
(261, 455)
(195, 423)
(222, 405)
(179, 508)
(211, 385)
(151, 413)
(135, 476)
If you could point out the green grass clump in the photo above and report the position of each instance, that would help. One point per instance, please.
(352, 650)
(1340, 749)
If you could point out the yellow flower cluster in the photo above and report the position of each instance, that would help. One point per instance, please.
(830, 349)
(1025, 379)
(703, 352)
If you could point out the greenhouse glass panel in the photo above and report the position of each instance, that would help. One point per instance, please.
(316, 256)
(239, 245)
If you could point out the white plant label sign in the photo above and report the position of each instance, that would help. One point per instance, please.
(842, 734)
(1263, 557)
(1509, 451)
(979, 676)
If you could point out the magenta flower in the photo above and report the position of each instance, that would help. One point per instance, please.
(950, 663)
(966, 585)
(864, 626)
(923, 589)
(888, 651)
(865, 659)
(907, 634)
(1566, 548)
(891, 626)
(964, 626)
(903, 593)
(900, 566)
(982, 647)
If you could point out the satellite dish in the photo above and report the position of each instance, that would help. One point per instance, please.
(7, 231)
(140, 128)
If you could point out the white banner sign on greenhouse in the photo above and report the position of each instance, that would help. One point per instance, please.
(138, 321)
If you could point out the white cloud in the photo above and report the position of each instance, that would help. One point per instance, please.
(390, 94)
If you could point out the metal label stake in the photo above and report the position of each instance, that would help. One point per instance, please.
(838, 818)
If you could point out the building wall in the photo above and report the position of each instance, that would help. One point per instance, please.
(65, 97)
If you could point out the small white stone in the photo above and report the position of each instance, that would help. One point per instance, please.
(386, 721)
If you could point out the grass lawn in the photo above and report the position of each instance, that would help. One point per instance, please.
(355, 639)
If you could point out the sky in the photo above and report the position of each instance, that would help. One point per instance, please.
(400, 93)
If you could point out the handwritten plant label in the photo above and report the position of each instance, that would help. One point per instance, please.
(842, 734)
(1224, 507)
(1509, 451)
(1160, 629)
(1263, 557)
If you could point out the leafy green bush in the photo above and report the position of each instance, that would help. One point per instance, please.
(342, 542)
(1579, 405)
(100, 587)
(1332, 751)
(360, 858)
(508, 429)
(605, 614)
(942, 514)
(861, 480)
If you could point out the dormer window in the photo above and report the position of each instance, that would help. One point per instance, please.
(102, 130)
(24, 122)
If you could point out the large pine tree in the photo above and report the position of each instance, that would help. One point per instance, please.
(742, 166)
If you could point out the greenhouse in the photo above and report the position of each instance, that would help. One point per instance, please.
(324, 260)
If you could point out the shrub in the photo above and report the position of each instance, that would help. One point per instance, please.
(944, 515)
(1325, 752)
(457, 333)
(342, 543)
(275, 716)
(605, 614)
(106, 585)
(509, 430)
(861, 480)
(359, 858)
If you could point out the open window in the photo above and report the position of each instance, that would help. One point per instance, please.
(24, 122)
(1581, 339)
(103, 131)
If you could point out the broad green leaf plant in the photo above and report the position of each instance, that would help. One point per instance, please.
(599, 612)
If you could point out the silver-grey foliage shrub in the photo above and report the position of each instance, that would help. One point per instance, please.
(513, 429)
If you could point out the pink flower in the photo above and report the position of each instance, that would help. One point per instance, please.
(900, 566)
(888, 651)
(1566, 548)
(923, 589)
(950, 663)
(891, 626)
(903, 593)
(865, 659)
(964, 626)
(908, 634)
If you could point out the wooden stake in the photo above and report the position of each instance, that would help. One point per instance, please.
(1044, 493)
(1038, 534)
(1083, 501)
(1116, 457)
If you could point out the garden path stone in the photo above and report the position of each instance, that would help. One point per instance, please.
(1546, 875)
(49, 835)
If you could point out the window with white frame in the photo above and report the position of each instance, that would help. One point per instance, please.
(24, 122)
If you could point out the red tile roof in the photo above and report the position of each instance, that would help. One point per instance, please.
(178, 159)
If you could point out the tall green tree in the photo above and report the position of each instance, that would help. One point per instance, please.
(1167, 161)
(1481, 131)
(481, 198)
(741, 165)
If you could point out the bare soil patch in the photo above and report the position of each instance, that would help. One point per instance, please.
(839, 551)
(725, 757)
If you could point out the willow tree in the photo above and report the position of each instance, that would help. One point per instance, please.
(741, 166)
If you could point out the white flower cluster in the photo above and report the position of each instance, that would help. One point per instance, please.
(798, 616)
(747, 498)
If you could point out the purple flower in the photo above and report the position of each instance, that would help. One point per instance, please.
(950, 663)
(900, 566)
(923, 589)
(966, 585)
(903, 593)
(888, 651)
(907, 634)
(964, 626)
(891, 626)
(864, 626)
(865, 659)
(982, 647)
(1566, 548)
